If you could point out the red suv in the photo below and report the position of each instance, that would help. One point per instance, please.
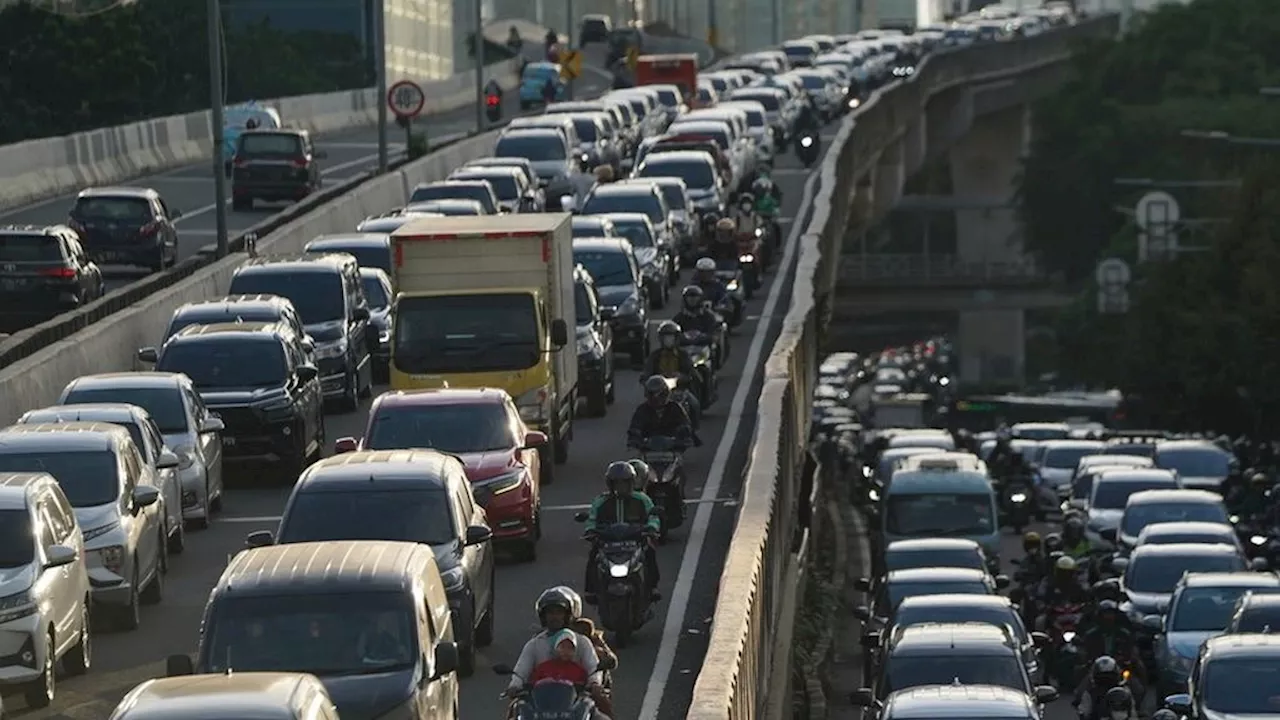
(483, 428)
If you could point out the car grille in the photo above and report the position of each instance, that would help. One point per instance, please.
(239, 420)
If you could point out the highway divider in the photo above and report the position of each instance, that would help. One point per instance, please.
(47, 167)
(746, 674)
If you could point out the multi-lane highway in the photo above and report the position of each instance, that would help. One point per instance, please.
(657, 671)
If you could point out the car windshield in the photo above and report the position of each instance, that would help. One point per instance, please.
(1138, 517)
(318, 296)
(939, 515)
(449, 191)
(465, 333)
(239, 363)
(607, 268)
(1066, 458)
(163, 404)
(636, 202)
(1205, 609)
(1262, 618)
(504, 185)
(1112, 494)
(697, 175)
(899, 591)
(370, 256)
(911, 671)
(375, 291)
(534, 148)
(30, 248)
(770, 101)
(325, 634)
(1242, 686)
(1159, 574)
(586, 129)
(87, 477)
(17, 541)
(637, 232)
(907, 560)
(720, 137)
(482, 427)
(1193, 538)
(118, 209)
(416, 516)
(1200, 462)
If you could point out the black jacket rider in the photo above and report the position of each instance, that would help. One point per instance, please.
(668, 421)
(669, 362)
(724, 251)
(703, 321)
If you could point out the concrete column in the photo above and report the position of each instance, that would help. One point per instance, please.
(992, 345)
(889, 179)
(984, 164)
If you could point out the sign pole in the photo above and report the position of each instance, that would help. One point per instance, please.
(478, 44)
(380, 67)
(216, 100)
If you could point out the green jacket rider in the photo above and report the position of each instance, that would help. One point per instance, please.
(1074, 542)
(623, 503)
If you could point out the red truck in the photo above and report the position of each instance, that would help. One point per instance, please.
(680, 70)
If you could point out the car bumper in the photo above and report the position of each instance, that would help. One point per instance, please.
(21, 653)
(267, 444)
(192, 485)
(629, 332)
(290, 190)
(510, 514)
(109, 588)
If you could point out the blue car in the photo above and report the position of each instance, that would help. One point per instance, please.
(533, 83)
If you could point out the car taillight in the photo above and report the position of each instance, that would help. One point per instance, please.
(149, 229)
(241, 163)
(59, 273)
(300, 163)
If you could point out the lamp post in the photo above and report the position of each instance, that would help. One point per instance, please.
(216, 118)
(380, 69)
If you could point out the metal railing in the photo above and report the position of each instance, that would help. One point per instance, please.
(737, 677)
(918, 269)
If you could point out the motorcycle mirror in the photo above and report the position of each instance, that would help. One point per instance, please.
(1041, 640)
(580, 517)
(1154, 623)
(501, 669)
(863, 613)
(1046, 693)
(1002, 582)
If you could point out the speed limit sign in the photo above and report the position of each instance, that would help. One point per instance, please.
(406, 99)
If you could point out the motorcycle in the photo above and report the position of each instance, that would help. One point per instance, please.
(686, 398)
(1016, 497)
(666, 457)
(1064, 622)
(702, 353)
(807, 149)
(730, 273)
(749, 264)
(548, 700)
(623, 605)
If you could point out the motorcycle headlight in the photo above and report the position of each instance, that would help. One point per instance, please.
(384, 336)
(332, 350)
(1258, 540)
(732, 286)
(873, 495)
(759, 232)
(1068, 636)
(747, 258)
(619, 571)
(1019, 497)
(453, 578)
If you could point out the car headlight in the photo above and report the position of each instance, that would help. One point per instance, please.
(112, 558)
(332, 350)
(504, 483)
(1258, 540)
(186, 457)
(453, 578)
(17, 605)
(619, 571)
(99, 531)
(532, 405)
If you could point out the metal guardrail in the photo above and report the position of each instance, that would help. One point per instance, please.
(751, 630)
(918, 269)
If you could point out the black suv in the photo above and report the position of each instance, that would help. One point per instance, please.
(327, 291)
(595, 345)
(623, 298)
(44, 271)
(257, 377)
(127, 226)
(274, 165)
(234, 308)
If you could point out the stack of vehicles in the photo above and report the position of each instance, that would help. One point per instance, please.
(1144, 581)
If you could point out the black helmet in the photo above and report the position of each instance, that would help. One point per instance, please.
(1052, 543)
(620, 477)
(1073, 528)
(692, 297)
(669, 329)
(1164, 714)
(644, 474)
(1106, 590)
(1105, 671)
(656, 388)
(1108, 606)
(556, 597)
(1119, 699)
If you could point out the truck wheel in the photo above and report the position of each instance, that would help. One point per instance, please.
(561, 443)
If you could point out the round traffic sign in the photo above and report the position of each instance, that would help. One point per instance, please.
(406, 99)
(1112, 274)
(1157, 208)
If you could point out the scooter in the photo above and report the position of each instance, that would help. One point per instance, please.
(549, 699)
(666, 457)
(749, 263)
(623, 601)
(700, 348)
(730, 273)
(1016, 498)
(807, 149)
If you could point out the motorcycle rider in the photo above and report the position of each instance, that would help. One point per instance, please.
(514, 41)
(724, 249)
(556, 608)
(671, 361)
(644, 474)
(1110, 636)
(622, 503)
(658, 415)
(1253, 499)
(1003, 452)
(1061, 587)
(768, 195)
(694, 314)
(807, 121)
(704, 277)
(1075, 544)
(1092, 696)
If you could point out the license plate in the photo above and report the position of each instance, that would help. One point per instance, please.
(10, 284)
(660, 457)
(228, 441)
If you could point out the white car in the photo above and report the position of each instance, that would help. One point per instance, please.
(188, 427)
(44, 587)
(1058, 462)
(149, 441)
(1111, 491)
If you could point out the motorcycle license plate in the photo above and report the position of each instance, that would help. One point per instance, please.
(660, 457)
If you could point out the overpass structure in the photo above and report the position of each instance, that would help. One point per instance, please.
(971, 103)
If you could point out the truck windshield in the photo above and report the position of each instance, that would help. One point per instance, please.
(465, 333)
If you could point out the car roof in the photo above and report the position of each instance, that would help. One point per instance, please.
(1242, 578)
(628, 217)
(1186, 527)
(1260, 600)
(931, 545)
(618, 245)
(1123, 474)
(1151, 497)
(439, 396)
(93, 412)
(958, 701)
(127, 191)
(1181, 550)
(1117, 459)
(328, 262)
(149, 379)
(534, 132)
(15, 488)
(261, 695)
(62, 437)
(910, 481)
(1069, 444)
(355, 239)
(317, 567)
(615, 189)
(1165, 445)
(378, 470)
(937, 574)
(234, 303)
(966, 637)
(697, 156)
(256, 331)
(1242, 646)
(658, 179)
(954, 600)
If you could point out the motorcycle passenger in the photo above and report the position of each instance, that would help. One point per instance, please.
(725, 247)
(556, 608)
(1091, 696)
(644, 474)
(704, 276)
(1061, 587)
(623, 504)
(1108, 635)
(563, 665)
(658, 415)
(1075, 544)
(608, 661)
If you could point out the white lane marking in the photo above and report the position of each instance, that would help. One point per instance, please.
(258, 519)
(697, 538)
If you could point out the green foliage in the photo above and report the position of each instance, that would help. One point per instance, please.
(418, 145)
(150, 59)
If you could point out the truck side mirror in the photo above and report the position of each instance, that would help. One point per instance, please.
(559, 333)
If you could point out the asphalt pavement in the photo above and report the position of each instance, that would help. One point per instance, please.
(658, 669)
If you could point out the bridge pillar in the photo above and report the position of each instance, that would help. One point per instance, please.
(992, 345)
(889, 180)
(985, 164)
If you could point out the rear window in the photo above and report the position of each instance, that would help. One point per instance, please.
(814, 82)
(30, 248)
(586, 129)
(270, 144)
(768, 100)
(533, 148)
(113, 208)
(669, 98)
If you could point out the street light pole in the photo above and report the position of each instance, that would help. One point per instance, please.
(568, 35)
(478, 44)
(380, 68)
(216, 119)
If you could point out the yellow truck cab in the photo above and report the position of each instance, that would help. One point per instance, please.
(487, 301)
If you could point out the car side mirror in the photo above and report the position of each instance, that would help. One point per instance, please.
(1002, 582)
(1154, 623)
(863, 613)
(148, 355)
(213, 424)
(559, 333)
(447, 658)
(344, 445)
(167, 460)
(360, 313)
(862, 584)
(1046, 694)
(1041, 640)
(477, 534)
(1180, 703)
(1110, 535)
(580, 517)
(145, 496)
(259, 539)
(863, 697)
(871, 639)
(307, 373)
(178, 666)
(534, 440)
(59, 555)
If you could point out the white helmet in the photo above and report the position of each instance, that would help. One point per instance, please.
(705, 265)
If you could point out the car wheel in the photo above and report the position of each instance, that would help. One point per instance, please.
(546, 468)
(40, 692)
(203, 523)
(130, 616)
(80, 657)
(351, 392)
(178, 540)
(467, 653)
(484, 631)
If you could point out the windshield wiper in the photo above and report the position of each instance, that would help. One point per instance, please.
(372, 669)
